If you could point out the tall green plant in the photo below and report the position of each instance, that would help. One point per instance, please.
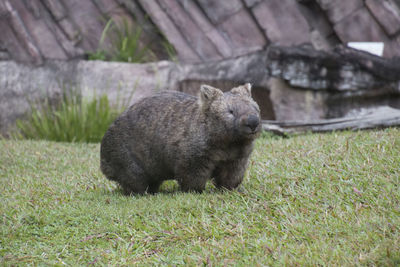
(125, 42)
(170, 50)
(74, 119)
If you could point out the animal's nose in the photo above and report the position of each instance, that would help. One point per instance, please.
(252, 122)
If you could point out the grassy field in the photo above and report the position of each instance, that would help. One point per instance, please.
(330, 199)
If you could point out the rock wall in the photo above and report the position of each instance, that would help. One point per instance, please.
(38, 30)
(289, 83)
(22, 84)
(200, 30)
(308, 84)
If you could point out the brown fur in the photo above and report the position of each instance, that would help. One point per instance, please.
(172, 135)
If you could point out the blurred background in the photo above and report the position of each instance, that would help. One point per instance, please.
(199, 30)
(294, 52)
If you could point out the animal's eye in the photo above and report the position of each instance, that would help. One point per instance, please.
(231, 111)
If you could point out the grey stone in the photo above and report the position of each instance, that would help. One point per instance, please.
(392, 48)
(190, 30)
(218, 11)
(107, 6)
(243, 33)
(294, 104)
(342, 69)
(90, 27)
(70, 30)
(387, 13)
(34, 7)
(12, 44)
(20, 84)
(199, 18)
(360, 27)
(310, 84)
(282, 22)
(250, 3)
(339, 9)
(44, 39)
(56, 8)
(318, 41)
(164, 23)
(316, 18)
(24, 37)
(4, 55)
(122, 79)
(231, 69)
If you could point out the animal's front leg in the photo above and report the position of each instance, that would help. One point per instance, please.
(193, 178)
(230, 174)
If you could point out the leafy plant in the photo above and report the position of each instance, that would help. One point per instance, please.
(170, 50)
(74, 119)
(125, 45)
(98, 55)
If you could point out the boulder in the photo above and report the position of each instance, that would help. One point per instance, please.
(309, 84)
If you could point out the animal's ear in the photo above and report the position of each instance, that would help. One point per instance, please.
(209, 93)
(242, 90)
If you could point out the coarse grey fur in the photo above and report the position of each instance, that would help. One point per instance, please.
(173, 135)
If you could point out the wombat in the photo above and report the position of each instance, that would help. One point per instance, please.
(173, 135)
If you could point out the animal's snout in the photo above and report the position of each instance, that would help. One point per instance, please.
(252, 122)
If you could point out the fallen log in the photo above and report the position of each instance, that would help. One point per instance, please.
(380, 117)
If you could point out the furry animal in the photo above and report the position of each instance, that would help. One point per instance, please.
(173, 135)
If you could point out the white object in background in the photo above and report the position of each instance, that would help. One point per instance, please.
(375, 48)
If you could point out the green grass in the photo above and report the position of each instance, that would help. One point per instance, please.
(328, 200)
